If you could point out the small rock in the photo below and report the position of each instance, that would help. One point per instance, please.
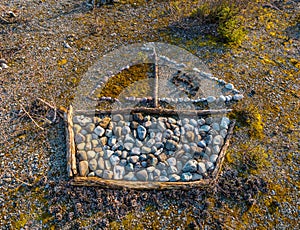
(118, 131)
(208, 139)
(107, 174)
(79, 138)
(129, 138)
(229, 86)
(201, 167)
(174, 177)
(201, 144)
(112, 141)
(117, 117)
(81, 155)
(81, 146)
(104, 122)
(215, 126)
(190, 136)
(83, 168)
(204, 128)
(223, 133)
(128, 146)
(218, 140)
(90, 127)
(93, 164)
(152, 160)
(186, 176)
(84, 121)
(99, 131)
(238, 97)
(190, 166)
(162, 157)
(107, 164)
(114, 160)
(224, 123)
(76, 128)
(129, 167)
(138, 117)
(156, 173)
(142, 175)
(108, 133)
(95, 143)
(135, 151)
(134, 159)
(107, 154)
(119, 172)
(171, 161)
(213, 158)
(101, 164)
(91, 174)
(186, 148)
(196, 177)
(201, 121)
(171, 145)
(163, 178)
(209, 165)
(98, 173)
(103, 141)
(125, 130)
(145, 149)
(210, 99)
(150, 169)
(171, 170)
(150, 143)
(161, 126)
(91, 155)
(130, 176)
(141, 131)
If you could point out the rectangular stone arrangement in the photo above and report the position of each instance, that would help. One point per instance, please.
(146, 148)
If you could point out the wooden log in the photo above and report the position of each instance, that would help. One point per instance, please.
(142, 185)
(159, 111)
(71, 149)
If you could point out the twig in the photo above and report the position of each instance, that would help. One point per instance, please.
(31, 117)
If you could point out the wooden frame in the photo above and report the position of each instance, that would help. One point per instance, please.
(139, 185)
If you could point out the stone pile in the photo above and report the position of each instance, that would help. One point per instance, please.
(148, 148)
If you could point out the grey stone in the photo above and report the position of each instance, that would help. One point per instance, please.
(128, 146)
(201, 167)
(210, 99)
(150, 177)
(202, 144)
(238, 97)
(153, 149)
(209, 165)
(123, 162)
(172, 170)
(99, 131)
(95, 143)
(188, 127)
(208, 151)
(158, 137)
(88, 146)
(224, 123)
(79, 138)
(144, 164)
(204, 128)
(126, 130)
(229, 86)
(90, 127)
(138, 143)
(208, 139)
(134, 159)
(141, 132)
(81, 155)
(117, 117)
(84, 121)
(135, 151)
(177, 132)
(147, 124)
(150, 143)
(216, 149)
(174, 177)
(163, 178)
(167, 134)
(161, 126)
(223, 133)
(143, 157)
(201, 121)
(190, 166)
(142, 175)
(107, 154)
(83, 168)
(186, 148)
(179, 165)
(107, 164)
(172, 120)
(218, 140)
(145, 149)
(190, 136)
(81, 146)
(156, 173)
(171, 145)
(129, 167)
(171, 161)
(101, 164)
(161, 166)
(222, 99)
(130, 176)
(196, 176)
(96, 120)
(187, 176)
(93, 164)
(76, 128)
(91, 174)
(88, 138)
(112, 141)
(215, 126)
(107, 174)
(108, 133)
(118, 131)
(114, 160)
(213, 158)
(83, 132)
(129, 138)
(124, 154)
(193, 122)
(150, 169)
(91, 154)
(119, 172)
(98, 173)
(209, 120)
(162, 157)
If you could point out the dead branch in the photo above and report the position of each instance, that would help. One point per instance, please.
(31, 117)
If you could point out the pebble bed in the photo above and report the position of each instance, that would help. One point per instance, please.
(141, 147)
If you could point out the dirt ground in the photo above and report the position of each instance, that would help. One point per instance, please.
(48, 46)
